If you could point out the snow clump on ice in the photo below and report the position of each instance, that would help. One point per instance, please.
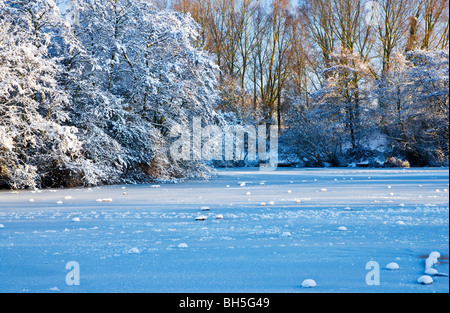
(435, 254)
(431, 271)
(309, 283)
(134, 251)
(201, 218)
(392, 266)
(425, 280)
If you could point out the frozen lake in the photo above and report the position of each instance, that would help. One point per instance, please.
(320, 224)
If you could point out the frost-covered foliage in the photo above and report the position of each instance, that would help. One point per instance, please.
(139, 75)
(414, 99)
(91, 97)
(345, 100)
(337, 122)
(35, 146)
(403, 114)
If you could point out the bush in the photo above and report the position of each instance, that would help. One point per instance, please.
(396, 162)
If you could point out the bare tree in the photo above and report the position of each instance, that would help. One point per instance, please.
(392, 28)
(433, 16)
(318, 17)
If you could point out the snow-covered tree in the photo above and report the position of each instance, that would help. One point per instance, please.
(346, 100)
(91, 98)
(141, 74)
(35, 147)
(415, 101)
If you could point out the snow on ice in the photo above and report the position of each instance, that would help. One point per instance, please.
(425, 280)
(239, 245)
(309, 283)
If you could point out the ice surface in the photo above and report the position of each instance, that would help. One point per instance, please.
(132, 244)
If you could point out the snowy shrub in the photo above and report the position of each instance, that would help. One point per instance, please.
(395, 162)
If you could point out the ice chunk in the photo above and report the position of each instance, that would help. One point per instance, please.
(134, 250)
(435, 254)
(309, 283)
(431, 271)
(392, 266)
(425, 280)
(430, 262)
(201, 218)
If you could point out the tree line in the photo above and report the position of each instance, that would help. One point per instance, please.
(89, 96)
(342, 79)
